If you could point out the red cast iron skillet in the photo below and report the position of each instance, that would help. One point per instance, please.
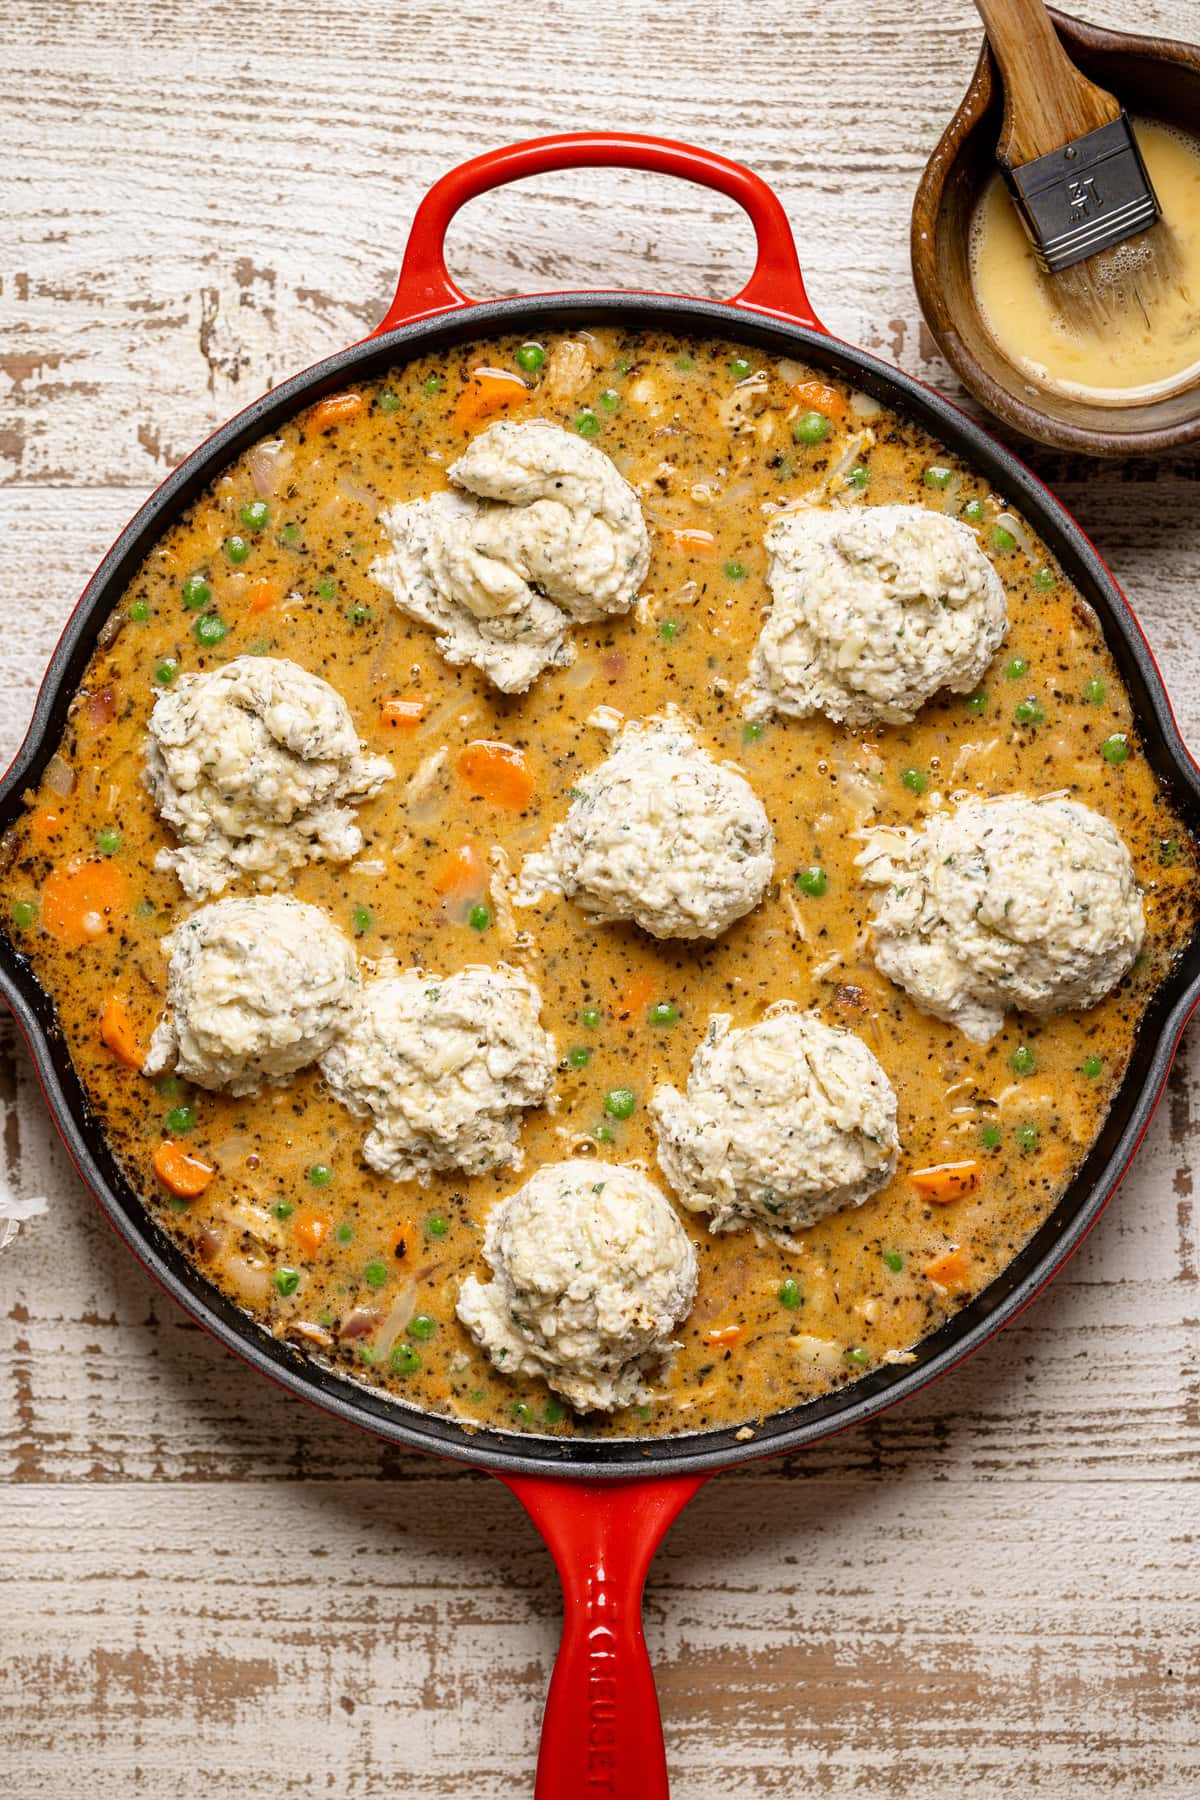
(603, 1506)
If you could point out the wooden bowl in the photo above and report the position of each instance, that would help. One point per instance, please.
(1155, 79)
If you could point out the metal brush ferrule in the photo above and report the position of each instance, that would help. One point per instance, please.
(1086, 197)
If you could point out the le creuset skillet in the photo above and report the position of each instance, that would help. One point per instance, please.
(603, 1506)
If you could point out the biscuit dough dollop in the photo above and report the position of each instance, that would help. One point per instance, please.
(592, 1273)
(782, 1122)
(661, 834)
(1007, 904)
(443, 1068)
(257, 988)
(256, 766)
(874, 611)
(543, 531)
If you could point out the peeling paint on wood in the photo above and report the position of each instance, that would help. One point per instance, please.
(209, 1590)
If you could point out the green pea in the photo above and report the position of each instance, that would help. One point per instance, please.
(586, 423)
(209, 629)
(663, 1013)
(376, 1273)
(260, 647)
(363, 920)
(1044, 579)
(326, 589)
(1093, 691)
(437, 1225)
(937, 475)
(812, 881)
(1003, 539)
(603, 1133)
(196, 592)
(290, 535)
(1091, 1066)
(145, 909)
(530, 357)
(619, 1103)
(990, 1137)
(858, 477)
(389, 402)
(1029, 712)
(521, 1412)
(422, 1326)
(859, 1355)
(179, 1120)
(366, 1353)
(109, 840)
(811, 428)
(167, 1086)
(973, 511)
(344, 1233)
(893, 1260)
(1015, 669)
(433, 384)
(554, 1412)
(287, 1280)
(610, 400)
(739, 368)
(1027, 1138)
(914, 780)
(1168, 852)
(753, 732)
(1023, 1060)
(405, 1360)
(685, 362)
(236, 548)
(254, 514)
(735, 571)
(670, 630)
(589, 1018)
(790, 1295)
(579, 1057)
(359, 615)
(642, 1413)
(24, 912)
(976, 704)
(479, 918)
(139, 612)
(1115, 749)
(320, 1175)
(622, 365)
(283, 1209)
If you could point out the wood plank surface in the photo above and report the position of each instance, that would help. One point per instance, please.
(207, 1590)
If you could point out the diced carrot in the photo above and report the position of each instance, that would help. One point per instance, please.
(335, 410)
(638, 994)
(950, 1272)
(693, 540)
(817, 397)
(311, 1229)
(462, 872)
(488, 391)
(403, 1238)
(117, 1032)
(80, 900)
(263, 595)
(45, 825)
(946, 1181)
(499, 773)
(185, 1175)
(723, 1334)
(401, 715)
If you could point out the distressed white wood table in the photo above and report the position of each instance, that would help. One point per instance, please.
(207, 1589)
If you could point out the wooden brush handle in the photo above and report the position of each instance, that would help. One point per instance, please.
(1047, 102)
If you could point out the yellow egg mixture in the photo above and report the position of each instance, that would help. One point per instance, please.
(363, 1272)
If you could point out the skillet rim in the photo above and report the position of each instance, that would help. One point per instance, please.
(965, 1331)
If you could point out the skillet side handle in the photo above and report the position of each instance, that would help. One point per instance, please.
(601, 1732)
(775, 288)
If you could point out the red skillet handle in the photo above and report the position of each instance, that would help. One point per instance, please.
(601, 1734)
(775, 287)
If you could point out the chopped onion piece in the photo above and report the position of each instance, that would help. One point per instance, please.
(60, 777)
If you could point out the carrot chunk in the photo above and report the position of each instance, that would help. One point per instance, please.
(79, 901)
(185, 1175)
(463, 872)
(725, 1335)
(638, 994)
(488, 391)
(117, 1032)
(950, 1272)
(403, 1238)
(263, 595)
(693, 540)
(45, 825)
(401, 715)
(337, 409)
(947, 1181)
(499, 773)
(311, 1229)
(818, 397)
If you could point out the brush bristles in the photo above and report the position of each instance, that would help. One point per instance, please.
(1129, 278)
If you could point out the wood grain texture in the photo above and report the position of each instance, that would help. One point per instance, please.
(208, 1590)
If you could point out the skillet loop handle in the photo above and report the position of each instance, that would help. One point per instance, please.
(601, 1733)
(776, 288)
